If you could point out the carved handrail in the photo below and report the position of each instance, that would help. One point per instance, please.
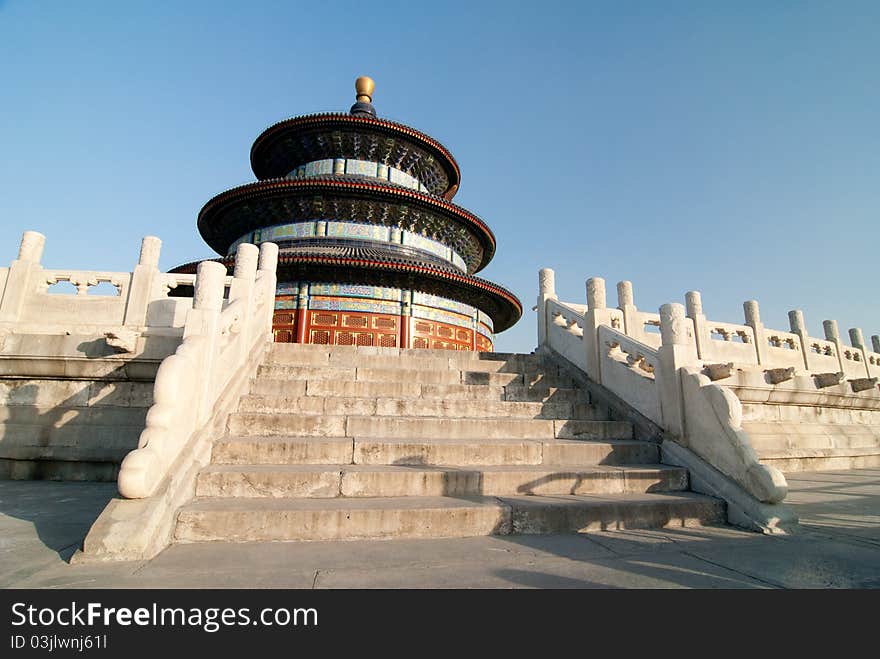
(83, 280)
(218, 344)
(634, 353)
(693, 378)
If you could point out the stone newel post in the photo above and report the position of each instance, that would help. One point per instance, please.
(20, 277)
(694, 302)
(753, 320)
(267, 267)
(242, 287)
(31, 247)
(209, 287)
(626, 303)
(678, 349)
(268, 258)
(546, 291)
(246, 257)
(857, 340)
(597, 314)
(151, 247)
(144, 282)
(798, 326)
(245, 271)
(832, 333)
(595, 293)
(203, 321)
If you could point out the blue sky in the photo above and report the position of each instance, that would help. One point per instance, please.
(731, 148)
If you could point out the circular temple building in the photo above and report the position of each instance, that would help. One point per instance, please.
(372, 250)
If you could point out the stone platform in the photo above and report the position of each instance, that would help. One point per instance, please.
(838, 546)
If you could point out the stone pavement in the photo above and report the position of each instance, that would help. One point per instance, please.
(838, 546)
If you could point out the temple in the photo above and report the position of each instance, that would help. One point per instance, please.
(372, 250)
(357, 421)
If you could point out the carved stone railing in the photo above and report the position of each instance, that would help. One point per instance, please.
(692, 380)
(33, 301)
(629, 369)
(566, 325)
(196, 389)
(664, 384)
(635, 322)
(220, 340)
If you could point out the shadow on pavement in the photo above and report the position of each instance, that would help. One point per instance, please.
(60, 512)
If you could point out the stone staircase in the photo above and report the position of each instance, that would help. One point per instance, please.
(346, 443)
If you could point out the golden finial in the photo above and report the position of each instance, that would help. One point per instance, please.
(364, 87)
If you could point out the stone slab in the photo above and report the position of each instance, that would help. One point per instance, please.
(398, 389)
(578, 452)
(269, 481)
(335, 519)
(445, 451)
(282, 450)
(385, 481)
(583, 429)
(275, 424)
(414, 427)
(545, 514)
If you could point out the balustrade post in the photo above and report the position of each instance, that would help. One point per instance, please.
(595, 294)
(267, 267)
(144, 287)
(678, 348)
(626, 303)
(546, 291)
(753, 320)
(242, 287)
(596, 314)
(22, 276)
(694, 302)
(857, 341)
(203, 320)
(856, 338)
(244, 272)
(799, 326)
(31, 247)
(832, 334)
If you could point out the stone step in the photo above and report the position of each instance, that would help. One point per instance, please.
(251, 519)
(270, 424)
(492, 428)
(583, 513)
(282, 450)
(243, 520)
(252, 450)
(512, 392)
(289, 352)
(420, 376)
(498, 452)
(420, 480)
(608, 452)
(510, 364)
(335, 405)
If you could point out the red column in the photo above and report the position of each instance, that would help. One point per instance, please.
(405, 319)
(301, 318)
(302, 310)
(404, 331)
